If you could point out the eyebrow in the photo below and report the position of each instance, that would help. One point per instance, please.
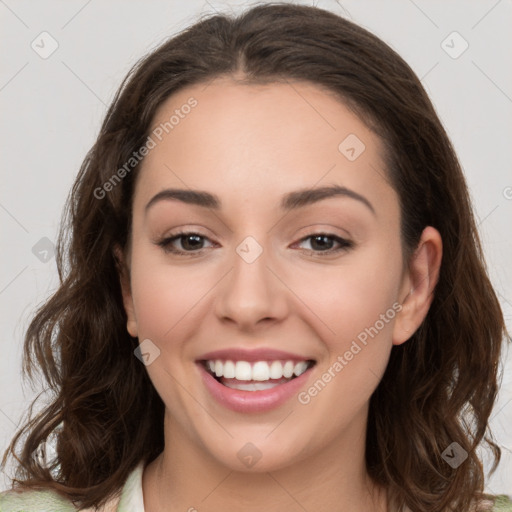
(290, 201)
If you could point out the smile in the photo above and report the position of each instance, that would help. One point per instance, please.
(257, 385)
(256, 375)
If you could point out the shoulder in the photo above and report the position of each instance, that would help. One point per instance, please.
(47, 500)
(499, 503)
(34, 501)
(502, 504)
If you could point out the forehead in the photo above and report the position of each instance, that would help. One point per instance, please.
(256, 142)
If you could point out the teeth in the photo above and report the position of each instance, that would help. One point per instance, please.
(229, 370)
(288, 369)
(276, 370)
(300, 368)
(218, 368)
(242, 370)
(259, 371)
(251, 386)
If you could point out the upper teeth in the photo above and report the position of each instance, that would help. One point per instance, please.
(258, 370)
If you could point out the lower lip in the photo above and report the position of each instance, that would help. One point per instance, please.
(252, 401)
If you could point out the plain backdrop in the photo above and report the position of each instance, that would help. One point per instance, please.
(52, 106)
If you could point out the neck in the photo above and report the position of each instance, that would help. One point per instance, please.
(333, 479)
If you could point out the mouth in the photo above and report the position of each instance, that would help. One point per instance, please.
(255, 375)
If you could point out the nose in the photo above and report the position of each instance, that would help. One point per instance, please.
(252, 294)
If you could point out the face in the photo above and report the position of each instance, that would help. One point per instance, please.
(265, 272)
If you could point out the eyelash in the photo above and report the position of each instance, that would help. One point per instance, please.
(166, 244)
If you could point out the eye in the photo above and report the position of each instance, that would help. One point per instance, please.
(191, 243)
(324, 243)
(188, 243)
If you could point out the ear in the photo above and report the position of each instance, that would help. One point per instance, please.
(418, 285)
(124, 278)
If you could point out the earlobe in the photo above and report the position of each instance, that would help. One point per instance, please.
(418, 285)
(124, 279)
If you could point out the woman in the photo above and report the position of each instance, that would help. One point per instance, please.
(275, 295)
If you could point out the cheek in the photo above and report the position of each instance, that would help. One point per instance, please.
(352, 297)
(158, 295)
(156, 302)
(166, 296)
(359, 305)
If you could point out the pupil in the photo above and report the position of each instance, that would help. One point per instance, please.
(187, 239)
(324, 240)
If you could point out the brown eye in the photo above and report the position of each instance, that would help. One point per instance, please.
(183, 243)
(325, 243)
(191, 242)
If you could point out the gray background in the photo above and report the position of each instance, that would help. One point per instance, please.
(52, 108)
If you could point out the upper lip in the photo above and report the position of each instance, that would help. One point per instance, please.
(260, 354)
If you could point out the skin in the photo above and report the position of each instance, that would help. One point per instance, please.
(250, 145)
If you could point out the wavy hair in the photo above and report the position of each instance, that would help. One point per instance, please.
(438, 388)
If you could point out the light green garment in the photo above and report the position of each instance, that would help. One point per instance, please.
(502, 504)
(131, 499)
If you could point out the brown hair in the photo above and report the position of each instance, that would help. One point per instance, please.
(438, 388)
